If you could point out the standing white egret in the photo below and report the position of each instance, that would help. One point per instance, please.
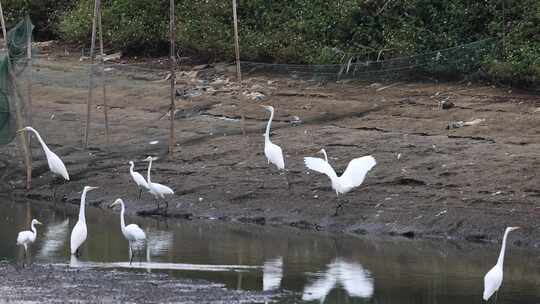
(138, 179)
(158, 190)
(273, 152)
(79, 232)
(494, 277)
(353, 176)
(26, 238)
(133, 233)
(56, 165)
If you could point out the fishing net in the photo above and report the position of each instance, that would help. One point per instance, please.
(372, 66)
(13, 73)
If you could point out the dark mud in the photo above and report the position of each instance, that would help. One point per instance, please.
(62, 284)
(430, 181)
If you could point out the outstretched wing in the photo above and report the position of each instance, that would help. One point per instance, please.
(357, 169)
(319, 165)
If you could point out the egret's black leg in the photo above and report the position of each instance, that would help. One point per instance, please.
(339, 205)
(496, 294)
(285, 173)
(131, 255)
(77, 253)
(140, 193)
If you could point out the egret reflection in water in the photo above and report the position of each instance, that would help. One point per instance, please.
(356, 281)
(272, 273)
(54, 239)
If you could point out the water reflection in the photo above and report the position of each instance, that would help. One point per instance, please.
(352, 277)
(272, 274)
(315, 267)
(54, 239)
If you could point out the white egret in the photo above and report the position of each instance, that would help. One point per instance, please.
(157, 190)
(132, 232)
(353, 176)
(494, 277)
(138, 179)
(273, 152)
(56, 165)
(26, 238)
(79, 232)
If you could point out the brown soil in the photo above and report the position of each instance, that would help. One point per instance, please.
(430, 181)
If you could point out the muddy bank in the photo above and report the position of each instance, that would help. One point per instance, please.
(62, 284)
(462, 173)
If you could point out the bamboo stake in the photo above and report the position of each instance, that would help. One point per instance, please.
(236, 44)
(91, 80)
(172, 29)
(29, 108)
(238, 69)
(105, 106)
(23, 144)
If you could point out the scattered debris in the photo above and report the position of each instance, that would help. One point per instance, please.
(441, 213)
(154, 142)
(460, 124)
(446, 104)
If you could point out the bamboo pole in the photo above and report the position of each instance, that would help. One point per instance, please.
(29, 108)
(91, 77)
(105, 106)
(236, 44)
(23, 144)
(238, 69)
(172, 30)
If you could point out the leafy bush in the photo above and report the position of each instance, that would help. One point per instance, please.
(45, 14)
(314, 31)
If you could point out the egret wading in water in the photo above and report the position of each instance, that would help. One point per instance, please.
(79, 232)
(273, 152)
(56, 165)
(494, 277)
(353, 176)
(138, 179)
(26, 238)
(132, 232)
(157, 190)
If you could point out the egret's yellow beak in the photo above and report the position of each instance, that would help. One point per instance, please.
(38, 222)
(116, 202)
(21, 130)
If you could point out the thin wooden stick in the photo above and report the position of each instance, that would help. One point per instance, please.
(18, 112)
(91, 80)
(236, 44)
(29, 107)
(103, 81)
(172, 30)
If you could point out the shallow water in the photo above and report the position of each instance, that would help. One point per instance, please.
(315, 267)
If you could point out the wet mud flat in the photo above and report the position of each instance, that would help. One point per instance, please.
(464, 172)
(39, 283)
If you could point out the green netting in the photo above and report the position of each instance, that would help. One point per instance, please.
(456, 60)
(17, 40)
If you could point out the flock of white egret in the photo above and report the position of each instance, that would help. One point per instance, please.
(352, 177)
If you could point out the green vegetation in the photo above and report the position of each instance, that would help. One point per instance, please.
(317, 31)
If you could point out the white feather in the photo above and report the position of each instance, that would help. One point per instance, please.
(137, 177)
(79, 232)
(273, 152)
(55, 163)
(353, 176)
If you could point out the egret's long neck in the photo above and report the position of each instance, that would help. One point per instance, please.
(149, 168)
(267, 133)
(43, 145)
(325, 156)
(500, 261)
(122, 222)
(81, 209)
(33, 227)
(131, 166)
